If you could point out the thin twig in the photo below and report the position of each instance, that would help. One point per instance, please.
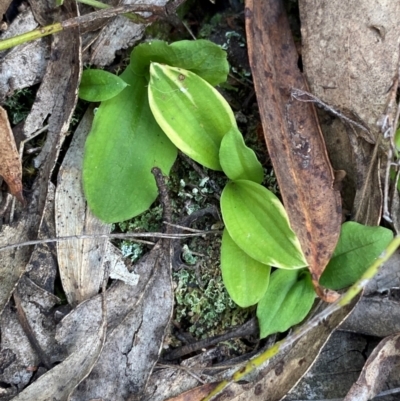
(164, 198)
(108, 236)
(183, 228)
(24, 322)
(299, 94)
(184, 368)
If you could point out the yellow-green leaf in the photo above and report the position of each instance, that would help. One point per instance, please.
(191, 112)
(257, 221)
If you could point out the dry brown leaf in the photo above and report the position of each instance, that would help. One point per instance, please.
(138, 317)
(10, 163)
(374, 375)
(15, 72)
(81, 262)
(294, 140)
(197, 394)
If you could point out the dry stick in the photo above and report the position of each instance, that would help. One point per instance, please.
(282, 345)
(77, 21)
(24, 322)
(109, 236)
(249, 328)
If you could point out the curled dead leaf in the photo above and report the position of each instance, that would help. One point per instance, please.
(10, 163)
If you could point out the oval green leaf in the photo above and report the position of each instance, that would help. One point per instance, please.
(124, 144)
(257, 221)
(99, 85)
(202, 57)
(245, 279)
(287, 301)
(237, 160)
(357, 248)
(191, 112)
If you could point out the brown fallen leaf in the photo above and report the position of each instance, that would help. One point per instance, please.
(196, 394)
(293, 136)
(10, 163)
(376, 370)
(81, 263)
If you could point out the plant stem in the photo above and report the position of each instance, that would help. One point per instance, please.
(345, 299)
(29, 36)
(78, 21)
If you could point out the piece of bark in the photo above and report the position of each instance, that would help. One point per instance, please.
(44, 11)
(15, 72)
(120, 33)
(378, 312)
(63, 73)
(384, 358)
(376, 315)
(58, 383)
(4, 4)
(81, 262)
(177, 379)
(335, 370)
(138, 317)
(20, 354)
(10, 163)
(294, 140)
(350, 62)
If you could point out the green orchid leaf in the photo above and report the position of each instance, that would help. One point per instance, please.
(191, 112)
(238, 161)
(99, 85)
(202, 57)
(245, 279)
(357, 248)
(287, 301)
(257, 222)
(124, 144)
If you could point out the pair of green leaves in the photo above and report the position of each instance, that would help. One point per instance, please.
(125, 141)
(289, 295)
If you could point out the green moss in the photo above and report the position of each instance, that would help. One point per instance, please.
(19, 104)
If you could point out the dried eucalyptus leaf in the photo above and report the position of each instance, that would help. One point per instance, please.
(80, 262)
